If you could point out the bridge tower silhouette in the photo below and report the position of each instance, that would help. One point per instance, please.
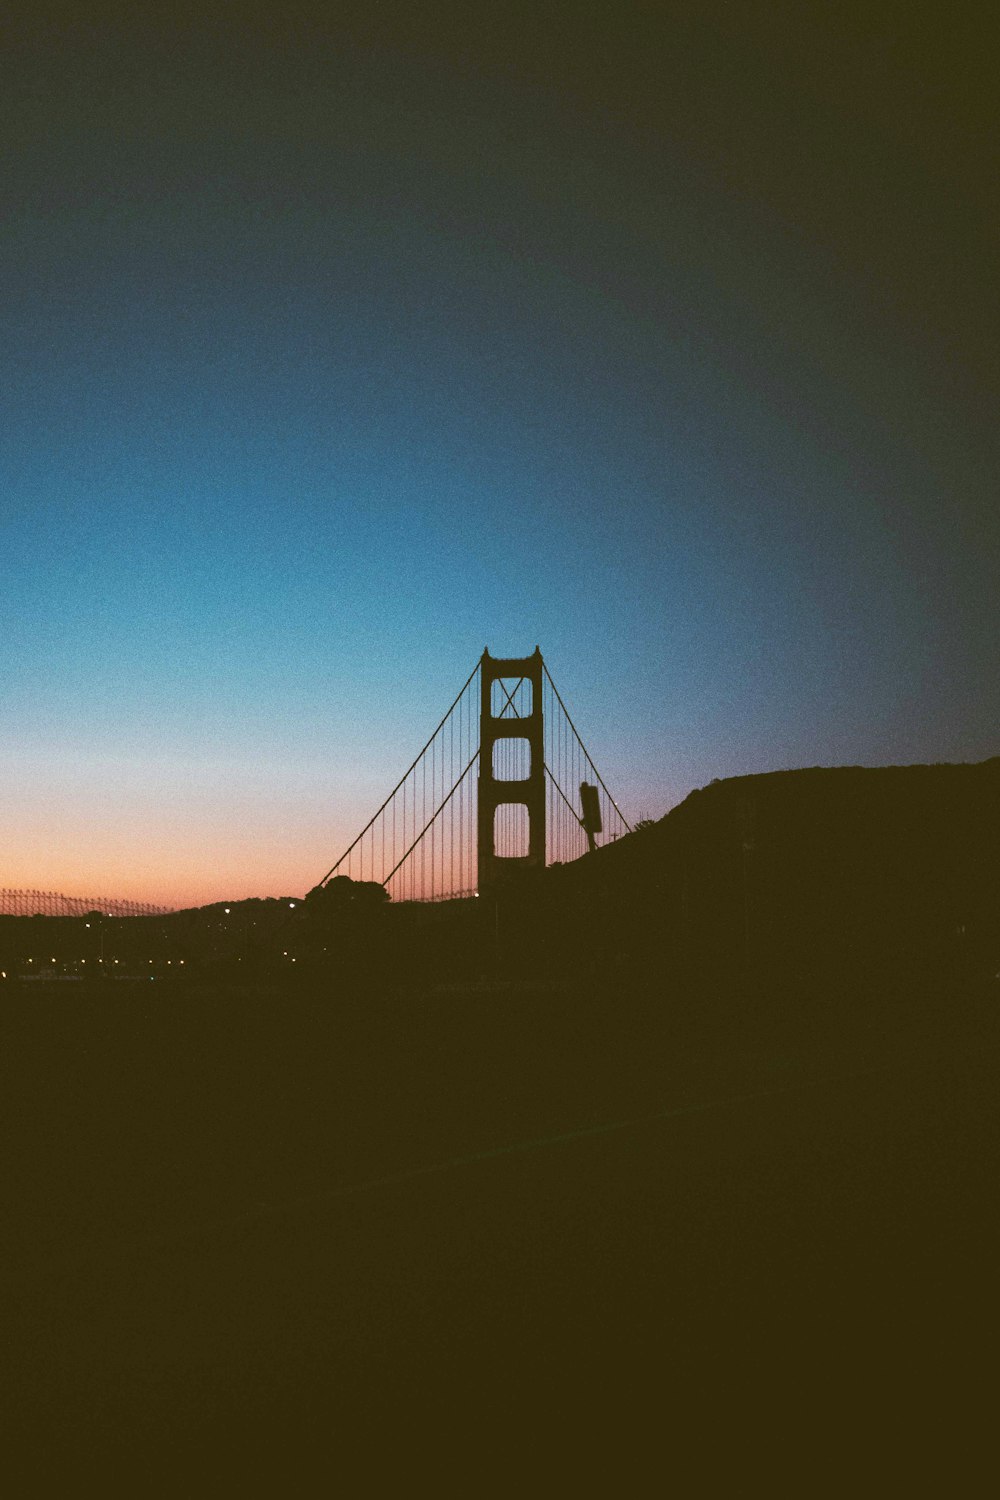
(511, 764)
(443, 833)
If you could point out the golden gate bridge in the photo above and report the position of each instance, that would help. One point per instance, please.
(504, 783)
(495, 789)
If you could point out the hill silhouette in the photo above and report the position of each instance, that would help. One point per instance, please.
(622, 1151)
(781, 888)
(789, 880)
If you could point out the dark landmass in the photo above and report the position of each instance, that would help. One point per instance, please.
(796, 880)
(675, 1166)
(773, 885)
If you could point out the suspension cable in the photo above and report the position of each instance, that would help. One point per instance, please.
(432, 818)
(573, 813)
(583, 747)
(399, 783)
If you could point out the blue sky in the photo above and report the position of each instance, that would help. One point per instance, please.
(332, 360)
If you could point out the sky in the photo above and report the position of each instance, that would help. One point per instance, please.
(340, 343)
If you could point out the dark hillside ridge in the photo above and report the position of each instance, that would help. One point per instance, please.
(843, 881)
(792, 878)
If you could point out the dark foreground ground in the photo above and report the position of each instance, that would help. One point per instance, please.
(497, 1239)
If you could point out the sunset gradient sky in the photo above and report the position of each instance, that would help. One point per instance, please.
(662, 337)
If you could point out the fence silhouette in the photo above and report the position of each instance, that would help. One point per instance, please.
(22, 903)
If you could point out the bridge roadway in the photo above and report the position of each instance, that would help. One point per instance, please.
(497, 1228)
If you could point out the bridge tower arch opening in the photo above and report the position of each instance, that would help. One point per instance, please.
(510, 711)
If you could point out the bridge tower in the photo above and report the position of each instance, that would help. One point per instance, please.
(500, 718)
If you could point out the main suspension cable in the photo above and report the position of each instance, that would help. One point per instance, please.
(583, 747)
(401, 780)
(432, 818)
